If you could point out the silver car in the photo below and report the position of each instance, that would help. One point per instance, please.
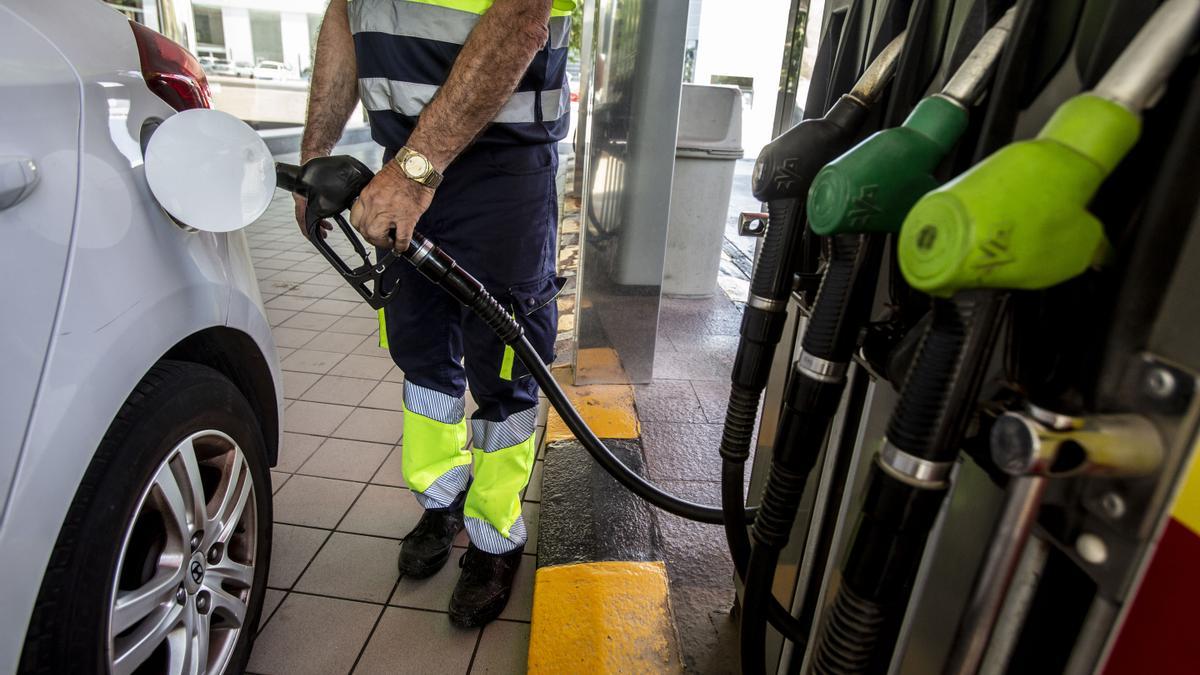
(141, 401)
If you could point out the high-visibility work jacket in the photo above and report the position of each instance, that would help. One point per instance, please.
(406, 48)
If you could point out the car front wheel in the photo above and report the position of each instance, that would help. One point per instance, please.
(161, 564)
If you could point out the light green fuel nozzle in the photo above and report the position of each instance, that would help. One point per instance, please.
(1019, 218)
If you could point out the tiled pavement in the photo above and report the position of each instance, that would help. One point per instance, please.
(682, 412)
(335, 602)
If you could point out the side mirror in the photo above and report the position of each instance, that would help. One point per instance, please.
(210, 170)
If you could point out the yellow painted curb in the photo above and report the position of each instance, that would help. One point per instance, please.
(607, 408)
(602, 617)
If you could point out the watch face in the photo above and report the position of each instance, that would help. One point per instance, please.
(416, 166)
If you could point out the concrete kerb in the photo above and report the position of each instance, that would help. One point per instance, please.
(601, 601)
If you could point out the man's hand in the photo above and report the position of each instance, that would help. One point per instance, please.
(301, 203)
(388, 208)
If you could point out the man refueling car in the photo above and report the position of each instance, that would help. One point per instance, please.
(468, 98)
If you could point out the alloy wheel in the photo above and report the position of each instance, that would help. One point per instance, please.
(186, 568)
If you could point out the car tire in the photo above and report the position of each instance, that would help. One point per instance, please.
(122, 541)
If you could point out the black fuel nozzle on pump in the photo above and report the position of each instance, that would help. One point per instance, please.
(781, 177)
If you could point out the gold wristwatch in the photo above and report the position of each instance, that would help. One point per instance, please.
(417, 167)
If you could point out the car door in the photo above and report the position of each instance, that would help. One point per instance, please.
(39, 141)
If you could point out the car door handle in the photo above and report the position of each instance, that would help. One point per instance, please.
(18, 177)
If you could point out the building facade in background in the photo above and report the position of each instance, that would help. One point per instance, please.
(245, 32)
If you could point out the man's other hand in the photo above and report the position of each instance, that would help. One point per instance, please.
(388, 208)
(301, 202)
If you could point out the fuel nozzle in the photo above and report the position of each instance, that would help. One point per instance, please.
(1018, 219)
(330, 185)
(786, 166)
(871, 187)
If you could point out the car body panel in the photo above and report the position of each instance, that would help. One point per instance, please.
(44, 103)
(136, 284)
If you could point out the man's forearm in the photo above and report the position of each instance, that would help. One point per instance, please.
(333, 90)
(484, 75)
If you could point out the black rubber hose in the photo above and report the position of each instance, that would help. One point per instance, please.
(761, 330)
(897, 515)
(441, 269)
(840, 309)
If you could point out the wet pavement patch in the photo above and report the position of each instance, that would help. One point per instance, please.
(586, 515)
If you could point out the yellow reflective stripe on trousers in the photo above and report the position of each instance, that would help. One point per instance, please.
(382, 330)
(507, 364)
(561, 7)
(431, 448)
(495, 496)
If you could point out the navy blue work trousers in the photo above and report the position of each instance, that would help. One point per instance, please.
(496, 214)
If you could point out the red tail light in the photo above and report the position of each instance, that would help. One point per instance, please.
(170, 70)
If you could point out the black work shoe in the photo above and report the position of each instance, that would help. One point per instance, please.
(427, 547)
(483, 587)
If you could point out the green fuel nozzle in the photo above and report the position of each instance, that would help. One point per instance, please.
(872, 186)
(1019, 219)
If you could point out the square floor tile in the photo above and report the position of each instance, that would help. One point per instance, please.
(293, 303)
(320, 419)
(311, 361)
(308, 290)
(367, 367)
(520, 604)
(394, 375)
(355, 567)
(345, 459)
(417, 642)
(331, 306)
(369, 346)
(310, 634)
(292, 337)
(384, 512)
(503, 649)
(296, 383)
(292, 276)
(271, 600)
(385, 396)
(368, 424)
(681, 451)
(668, 401)
(339, 390)
(315, 502)
(342, 343)
(295, 449)
(391, 472)
(270, 264)
(292, 548)
(309, 321)
(278, 478)
(354, 324)
(432, 593)
(276, 317)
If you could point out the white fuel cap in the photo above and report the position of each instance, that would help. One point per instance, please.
(210, 170)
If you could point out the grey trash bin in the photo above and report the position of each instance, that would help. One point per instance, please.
(709, 144)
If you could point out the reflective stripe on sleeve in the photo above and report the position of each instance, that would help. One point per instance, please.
(410, 98)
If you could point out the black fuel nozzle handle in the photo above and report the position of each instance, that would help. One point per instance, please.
(787, 165)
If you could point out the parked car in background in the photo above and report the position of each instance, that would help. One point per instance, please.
(141, 400)
(243, 69)
(272, 70)
(218, 66)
